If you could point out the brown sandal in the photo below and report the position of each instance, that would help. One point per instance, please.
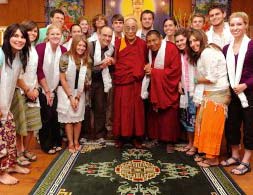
(31, 156)
(22, 160)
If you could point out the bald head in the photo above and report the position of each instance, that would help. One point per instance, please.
(105, 36)
(130, 29)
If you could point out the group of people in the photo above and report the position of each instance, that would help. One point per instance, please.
(127, 82)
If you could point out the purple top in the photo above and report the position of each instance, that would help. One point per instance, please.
(247, 71)
(40, 48)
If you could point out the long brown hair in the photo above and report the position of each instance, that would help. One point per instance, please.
(202, 38)
(72, 51)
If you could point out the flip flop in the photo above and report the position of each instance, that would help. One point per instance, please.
(22, 160)
(31, 156)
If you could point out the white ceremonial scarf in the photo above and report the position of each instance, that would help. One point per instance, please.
(51, 66)
(158, 64)
(93, 37)
(199, 88)
(114, 37)
(63, 100)
(226, 32)
(138, 33)
(107, 80)
(67, 45)
(191, 72)
(8, 80)
(235, 75)
(30, 74)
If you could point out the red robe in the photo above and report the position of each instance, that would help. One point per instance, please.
(163, 115)
(128, 75)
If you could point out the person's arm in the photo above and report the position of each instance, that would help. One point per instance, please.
(73, 100)
(63, 65)
(210, 64)
(48, 93)
(30, 93)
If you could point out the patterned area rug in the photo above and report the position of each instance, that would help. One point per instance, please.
(102, 169)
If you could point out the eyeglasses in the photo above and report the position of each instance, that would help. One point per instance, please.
(128, 29)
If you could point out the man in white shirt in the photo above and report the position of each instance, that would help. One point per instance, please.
(219, 32)
(147, 22)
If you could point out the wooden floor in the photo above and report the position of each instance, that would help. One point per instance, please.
(26, 182)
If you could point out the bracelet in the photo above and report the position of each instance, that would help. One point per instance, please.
(69, 96)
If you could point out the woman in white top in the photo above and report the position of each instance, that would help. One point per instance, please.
(25, 105)
(186, 89)
(211, 94)
(48, 76)
(84, 23)
(74, 68)
(13, 55)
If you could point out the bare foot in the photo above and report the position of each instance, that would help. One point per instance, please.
(7, 179)
(71, 149)
(208, 163)
(18, 169)
(77, 147)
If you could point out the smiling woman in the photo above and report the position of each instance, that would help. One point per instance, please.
(13, 55)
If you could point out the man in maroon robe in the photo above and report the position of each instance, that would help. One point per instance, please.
(164, 71)
(130, 55)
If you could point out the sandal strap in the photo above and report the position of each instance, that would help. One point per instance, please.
(245, 164)
(30, 155)
(235, 159)
(244, 170)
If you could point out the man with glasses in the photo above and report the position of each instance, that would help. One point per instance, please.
(130, 56)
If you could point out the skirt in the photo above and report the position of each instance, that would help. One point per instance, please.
(188, 115)
(26, 118)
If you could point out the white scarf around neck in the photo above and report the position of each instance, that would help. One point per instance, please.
(30, 74)
(191, 73)
(51, 66)
(67, 45)
(8, 80)
(63, 100)
(158, 64)
(107, 80)
(235, 74)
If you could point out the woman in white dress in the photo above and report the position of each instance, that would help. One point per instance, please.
(74, 74)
